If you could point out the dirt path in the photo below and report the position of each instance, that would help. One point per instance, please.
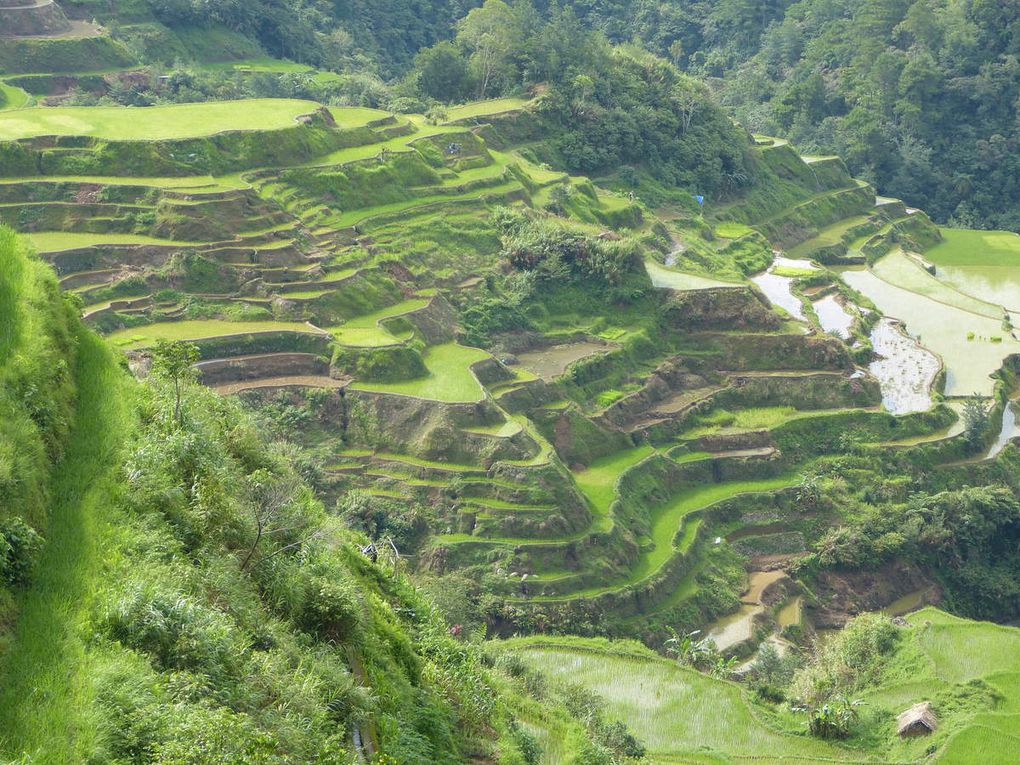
(44, 678)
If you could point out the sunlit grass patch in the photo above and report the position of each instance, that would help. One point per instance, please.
(151, 123)
(366, 331)
(965, 247)
(141, 337)
(731, 229)
(450, 377)
(57, 241)
(598, 481)
(484, 108)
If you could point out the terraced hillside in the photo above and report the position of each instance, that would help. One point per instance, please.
(342, 269)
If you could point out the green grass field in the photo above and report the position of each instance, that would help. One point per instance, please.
(142, 337)
(117, 123)
(754, 418)
(199, 183)
(449, 378)
(827, 236)
(58, 241)
(598, 482)
(965, 247)
(731, 229)
(484, 108)
(12, 97)
(366, 331)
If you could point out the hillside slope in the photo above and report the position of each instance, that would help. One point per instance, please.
(173, 593)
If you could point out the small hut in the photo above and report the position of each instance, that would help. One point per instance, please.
(919, 720)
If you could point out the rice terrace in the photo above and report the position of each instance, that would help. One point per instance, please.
(509, 383)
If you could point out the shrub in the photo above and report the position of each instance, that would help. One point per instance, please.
(20, 546)
(174, 629)
(328, 606)
(850, 660)
(834, 720)
(207, 735)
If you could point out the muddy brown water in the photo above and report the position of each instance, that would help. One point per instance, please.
(739, 626)
(551, 362)
(904, 605)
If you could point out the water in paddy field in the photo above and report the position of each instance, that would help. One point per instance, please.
(779, 289)
(834, 317)
(791, 614)
(780, 261)
(551, 362)
(909, 602)
(962, 338)
(995, 284)
(668, 278)
(735, 628)
(904, 370)
(739, 626)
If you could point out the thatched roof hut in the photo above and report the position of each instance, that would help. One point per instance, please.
(919, 720)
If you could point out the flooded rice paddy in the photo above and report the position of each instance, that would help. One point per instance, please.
(739, 626)
(668, 278)
(905, 370)
(996, 284)
(779, 291)
(778, 288)
(1010, 429)
(834, 317)
(966, 341)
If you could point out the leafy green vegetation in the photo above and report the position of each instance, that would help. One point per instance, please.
(197, 330)
(193, 602)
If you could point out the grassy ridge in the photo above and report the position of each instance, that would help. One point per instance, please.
(44, 697)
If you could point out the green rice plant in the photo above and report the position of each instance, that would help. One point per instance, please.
(965, 247)
(449, 376)
(673, 711)
(153, 123)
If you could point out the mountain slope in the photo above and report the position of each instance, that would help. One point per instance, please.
(184, 599)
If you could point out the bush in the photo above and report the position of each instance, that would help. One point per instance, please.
(327, 605)
(20, 546)
(176, 631)
(852, 659)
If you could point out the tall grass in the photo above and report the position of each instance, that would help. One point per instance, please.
(44, 696)
(12, 269)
